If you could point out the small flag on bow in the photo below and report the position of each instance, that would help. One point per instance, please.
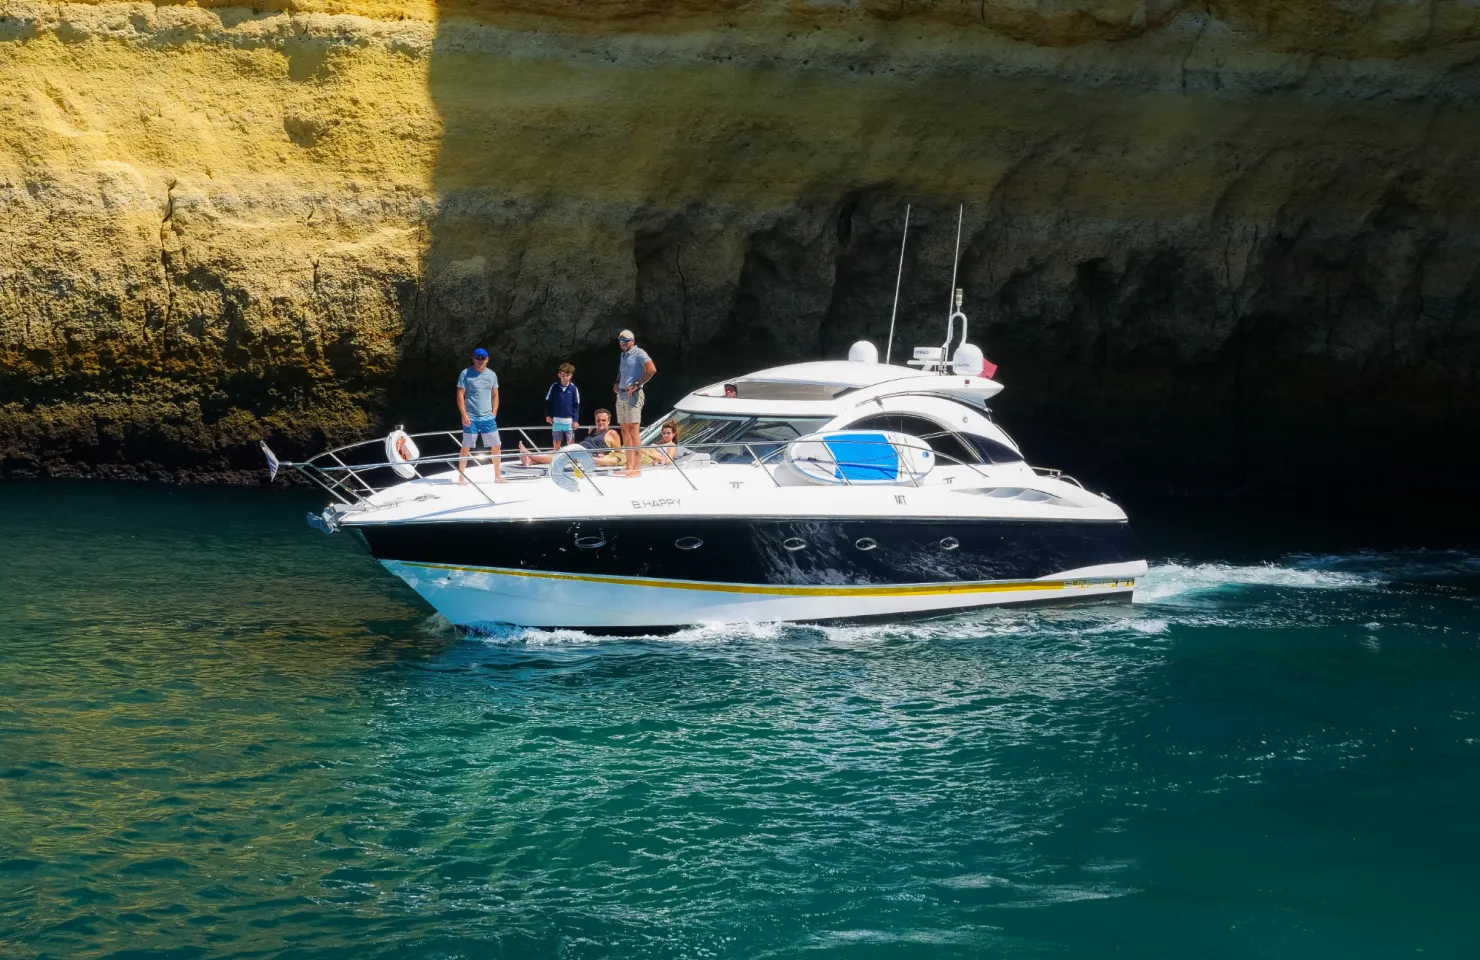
(272, 461)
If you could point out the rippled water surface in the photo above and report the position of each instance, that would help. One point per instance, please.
(223, 734)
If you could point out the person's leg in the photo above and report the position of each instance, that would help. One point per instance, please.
(529, 458)
(495, 447)
(631, 437)
(469, 440)
(632, 433)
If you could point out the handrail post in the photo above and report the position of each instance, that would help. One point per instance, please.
(673, 462)
(313, 473)
(913, 479)
(353, 474)
(761, 463)
(579, 472)
(966, 446)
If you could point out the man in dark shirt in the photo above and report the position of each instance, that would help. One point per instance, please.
(597, 441)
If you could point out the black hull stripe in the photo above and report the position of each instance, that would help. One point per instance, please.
(832, 553)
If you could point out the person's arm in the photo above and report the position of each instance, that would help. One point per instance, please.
(648, 369)
(575, 408)
(550, 404)
(494, 414)
(462, 407)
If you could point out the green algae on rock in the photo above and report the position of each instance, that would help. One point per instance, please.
(1242, 235)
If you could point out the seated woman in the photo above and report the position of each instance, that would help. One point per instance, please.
(597, 441)
(667, 449)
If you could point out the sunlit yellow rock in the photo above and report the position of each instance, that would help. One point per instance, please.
(291, 220)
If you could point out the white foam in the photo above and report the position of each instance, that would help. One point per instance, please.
(1167, 580)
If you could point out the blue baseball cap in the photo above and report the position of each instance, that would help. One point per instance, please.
(480, 353)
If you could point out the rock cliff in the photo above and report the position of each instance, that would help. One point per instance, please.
(1211, 245)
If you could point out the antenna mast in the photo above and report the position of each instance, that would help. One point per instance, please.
(960, 215)
(953, 297)
(889, 348)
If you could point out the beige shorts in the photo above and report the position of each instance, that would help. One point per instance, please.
(629, 408)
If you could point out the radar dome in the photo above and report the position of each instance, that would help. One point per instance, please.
(864, 352)
(968, 360)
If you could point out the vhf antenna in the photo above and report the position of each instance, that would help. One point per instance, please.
(953, 298)
(889, 348)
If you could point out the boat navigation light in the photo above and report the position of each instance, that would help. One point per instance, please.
(863, 352)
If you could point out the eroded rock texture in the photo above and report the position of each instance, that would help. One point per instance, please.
(1211, 245)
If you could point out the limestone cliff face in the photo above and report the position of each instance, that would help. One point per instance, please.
(1237, 241)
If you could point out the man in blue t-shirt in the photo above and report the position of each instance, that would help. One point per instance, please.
(634, 368)
(477, 401)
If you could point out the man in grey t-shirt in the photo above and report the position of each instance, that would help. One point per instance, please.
(477, 401)
(634, 369)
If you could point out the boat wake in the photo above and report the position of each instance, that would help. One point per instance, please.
(1165, 581)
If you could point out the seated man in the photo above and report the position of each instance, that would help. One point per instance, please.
(597, 441)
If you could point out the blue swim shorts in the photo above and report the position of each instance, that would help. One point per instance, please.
(485, 427)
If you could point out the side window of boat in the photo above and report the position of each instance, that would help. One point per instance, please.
(941, 440)
(993, 451)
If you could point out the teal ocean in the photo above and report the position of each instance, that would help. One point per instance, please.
(225, 735)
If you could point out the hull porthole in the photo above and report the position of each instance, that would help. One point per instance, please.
(688, 543)
(590, 543)
(950, 543)
(794, 544)
(865, 543)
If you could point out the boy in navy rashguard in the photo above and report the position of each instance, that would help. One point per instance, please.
(563, 407)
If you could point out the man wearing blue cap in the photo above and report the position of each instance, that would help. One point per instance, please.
(477, 401)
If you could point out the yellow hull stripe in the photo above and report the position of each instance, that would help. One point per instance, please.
(904, 590)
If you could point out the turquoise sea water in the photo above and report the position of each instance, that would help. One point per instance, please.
(225, 735)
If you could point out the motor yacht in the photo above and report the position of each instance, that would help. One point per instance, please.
(835, 490)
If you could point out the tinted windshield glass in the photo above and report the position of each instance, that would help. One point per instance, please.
(941, 439)
(763, 436)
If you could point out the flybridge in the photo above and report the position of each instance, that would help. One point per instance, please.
(830, 386)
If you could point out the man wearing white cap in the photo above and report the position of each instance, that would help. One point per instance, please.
(634, 369)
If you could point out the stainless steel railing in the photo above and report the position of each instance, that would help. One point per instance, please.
(353, 472)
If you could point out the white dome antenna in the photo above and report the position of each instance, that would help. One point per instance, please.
(968, 360)
(863, 352)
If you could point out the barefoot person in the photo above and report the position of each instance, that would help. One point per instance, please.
(634, 369)
(597, 441)
(477, 401)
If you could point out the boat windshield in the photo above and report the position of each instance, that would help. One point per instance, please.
(744, 438)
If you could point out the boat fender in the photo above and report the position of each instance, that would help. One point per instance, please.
(401, 453)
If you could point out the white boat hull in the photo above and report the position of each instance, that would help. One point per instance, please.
(477, 597)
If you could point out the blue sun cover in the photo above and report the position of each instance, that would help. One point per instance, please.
(864, 457)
